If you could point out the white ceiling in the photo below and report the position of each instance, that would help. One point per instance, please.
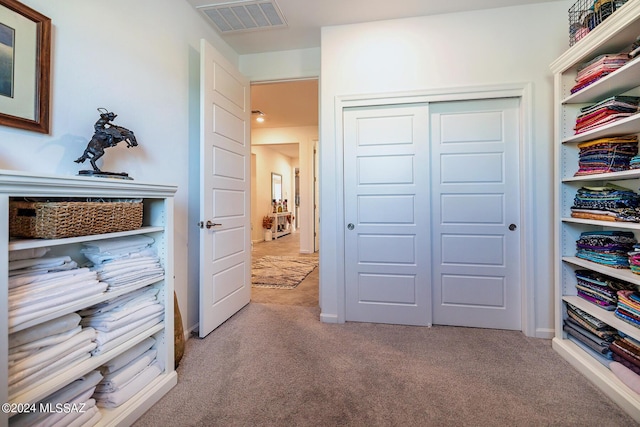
(296, 103)
(306, 17)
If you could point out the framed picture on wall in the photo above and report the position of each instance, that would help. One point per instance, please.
(25, 63)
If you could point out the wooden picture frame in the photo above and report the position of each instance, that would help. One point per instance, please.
(25, 66)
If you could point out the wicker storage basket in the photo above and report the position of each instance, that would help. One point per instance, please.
(54, 220)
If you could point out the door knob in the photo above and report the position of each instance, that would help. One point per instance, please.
(512, 227)
(350, 226)
(209, 224)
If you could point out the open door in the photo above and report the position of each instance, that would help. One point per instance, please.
(225, 190)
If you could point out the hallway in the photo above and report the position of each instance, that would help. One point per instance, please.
(305, 294)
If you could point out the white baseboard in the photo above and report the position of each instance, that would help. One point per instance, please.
(329, 318)
(545, 333)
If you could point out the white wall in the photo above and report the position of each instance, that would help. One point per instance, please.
(304, 136)
(489, 47)
(139, 59)
(282, 65)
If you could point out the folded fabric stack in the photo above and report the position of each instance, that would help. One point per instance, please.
(39, 285)
(127, 374)
(606, 111)
(124, 262)
(608, 203)
(609, 248)
(629, 307)
(72, 405)
(589, 331)
(626, 351)
(634, 259)
(126, 315)
(599, 289)
(597, 68)
(45, 350)
(634, 163)
(612, 154)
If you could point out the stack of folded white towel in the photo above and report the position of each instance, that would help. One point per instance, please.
(39, 285)
(124, 262)
(43, 351)
(126, 315)
(72, 405)
(127, 374)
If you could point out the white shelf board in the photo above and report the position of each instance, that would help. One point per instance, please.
(610, 224)
(600, 375)
(606, 316)
(628, 174)
(617, 273)
(618, 82)
(625, 126)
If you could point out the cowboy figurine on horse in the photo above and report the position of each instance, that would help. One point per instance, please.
(106, 135)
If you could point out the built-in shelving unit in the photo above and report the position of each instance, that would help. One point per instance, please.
(157, 223)
(616, 33)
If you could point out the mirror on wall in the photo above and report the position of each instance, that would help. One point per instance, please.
(276, 186)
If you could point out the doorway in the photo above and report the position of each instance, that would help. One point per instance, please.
(283, 143)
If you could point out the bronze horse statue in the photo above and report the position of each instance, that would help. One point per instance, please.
(106, 135)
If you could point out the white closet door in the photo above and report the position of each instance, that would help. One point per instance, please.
(386, 190)
(476, 212)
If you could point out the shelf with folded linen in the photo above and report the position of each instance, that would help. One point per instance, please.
(72, 404)
(623, 126)
(51, 381)
(606, 203)
(606, 155)
(111, 385)
(610, 347)
(43, 287)
(619, 81)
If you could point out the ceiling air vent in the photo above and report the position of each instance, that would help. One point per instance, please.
(244, 15)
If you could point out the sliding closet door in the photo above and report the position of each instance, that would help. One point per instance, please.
(476, 212)
(387, 218)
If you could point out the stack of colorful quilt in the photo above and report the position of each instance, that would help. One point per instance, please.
(608, 248)
(608, 203)
(612, 154)
(634, 163)
(634, 259)
(597, 68)
(589, 331)
(629, 307)
(626, 350)
(606, 111)
(599, 289)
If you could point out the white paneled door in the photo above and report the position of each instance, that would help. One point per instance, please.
(476, 213)
(225, 256)
(386, 191)
(432, 211)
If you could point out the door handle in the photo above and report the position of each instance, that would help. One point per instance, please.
(350, 226)
(209, 224)
(512, 227)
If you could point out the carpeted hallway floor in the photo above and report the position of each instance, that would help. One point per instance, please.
(305, 294)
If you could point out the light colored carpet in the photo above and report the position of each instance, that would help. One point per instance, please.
(281, 272)
(279, 366)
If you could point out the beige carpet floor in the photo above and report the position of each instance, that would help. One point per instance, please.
(277, 365)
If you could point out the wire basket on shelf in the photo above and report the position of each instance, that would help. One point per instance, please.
(585, 15)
